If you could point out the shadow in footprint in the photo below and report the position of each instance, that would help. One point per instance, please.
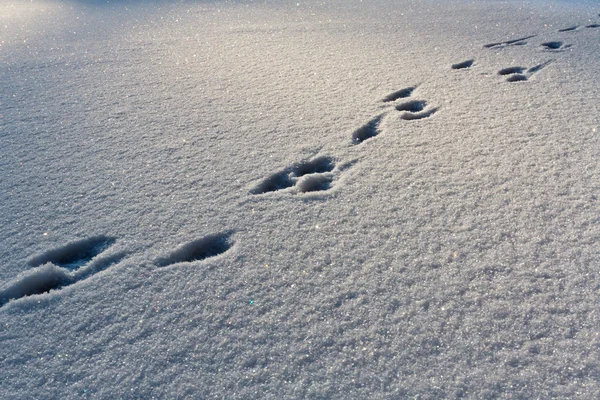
(463, 65)
(412, 106)
(318, 165)
(552, 45)
(37, 281)
(278, 181)
(367, 131)
(400, 94)
(593, 26)
(569, 29)
(511, 70)
(516, 78)
(314, 183)
(61, 267)
(198, 250)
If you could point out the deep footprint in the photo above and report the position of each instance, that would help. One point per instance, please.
(61, 267)
(367, 131)
(198, 250)
(288, 177)
(75, 254)
(400, 94)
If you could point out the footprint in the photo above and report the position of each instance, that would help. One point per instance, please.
(75, 254)
(519, 74)
(368, 130)
(552, 46)
(318, 165)
(409, 116)
(413, 110)
(463, 65)
(278, 181)
(288, 177)
(412, 106)
(511, 70)
(570, 29)
(539, 67)
(308, 176)
(199, 249)
(593, 26)
(514, 42)
(516, 78)
(314, 183)
(399, 94)
(61, 267)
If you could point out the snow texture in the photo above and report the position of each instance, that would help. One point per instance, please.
(282, 199)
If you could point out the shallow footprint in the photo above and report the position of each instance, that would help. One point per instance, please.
(514, 42)
(539, 67)
(511, 70)
(199, 249)
(463, 65)
(516, 78)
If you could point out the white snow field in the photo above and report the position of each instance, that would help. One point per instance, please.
(341, 199)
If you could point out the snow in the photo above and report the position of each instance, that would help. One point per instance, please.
(299, 199)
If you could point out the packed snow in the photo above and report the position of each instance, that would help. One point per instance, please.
(277, 199)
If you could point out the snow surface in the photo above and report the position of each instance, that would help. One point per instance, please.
(282, 199)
